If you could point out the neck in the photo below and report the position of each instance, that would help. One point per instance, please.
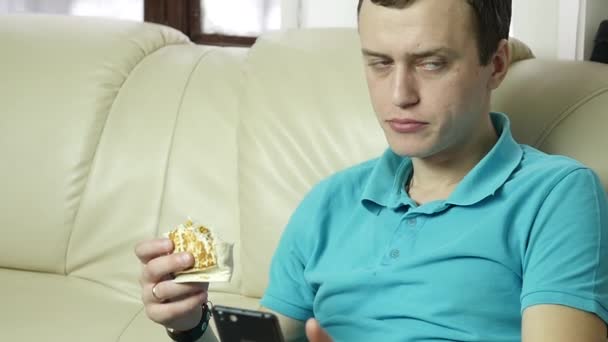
(435, 177)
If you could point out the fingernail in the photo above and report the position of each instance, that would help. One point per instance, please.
(167, 244)
(186, 258)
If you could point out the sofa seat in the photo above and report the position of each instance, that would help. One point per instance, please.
(49, 307)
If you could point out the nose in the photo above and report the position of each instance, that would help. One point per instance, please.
(405, 88)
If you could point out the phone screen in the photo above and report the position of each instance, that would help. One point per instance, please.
(241, 325)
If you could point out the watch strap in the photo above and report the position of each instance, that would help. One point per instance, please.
(195, 333)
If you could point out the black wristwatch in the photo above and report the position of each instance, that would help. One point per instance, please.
(195, 333)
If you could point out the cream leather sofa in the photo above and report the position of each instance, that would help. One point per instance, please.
(112, 132)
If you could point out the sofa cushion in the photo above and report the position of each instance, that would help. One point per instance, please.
(36, 307)
(519, 50)
(64, 77)
(305, 114)
(559, 107)
(112, 132)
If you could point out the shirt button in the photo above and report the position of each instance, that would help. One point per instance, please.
(395, 253)
(411, 222)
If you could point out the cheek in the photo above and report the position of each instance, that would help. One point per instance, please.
(453, 96)
(440, 100)
(380, 95)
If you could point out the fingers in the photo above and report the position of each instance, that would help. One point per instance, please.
(315, 333)
(178, 305)
(168, 313)
(161, 267)
(151, 249)
(171, 291)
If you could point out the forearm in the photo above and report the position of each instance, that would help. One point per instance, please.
(556, 323)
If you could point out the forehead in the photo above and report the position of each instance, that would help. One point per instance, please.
(419, 25)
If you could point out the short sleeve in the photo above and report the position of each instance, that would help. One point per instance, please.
(288, 292)
(566, 259)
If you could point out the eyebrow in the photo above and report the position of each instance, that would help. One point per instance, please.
(416, 55)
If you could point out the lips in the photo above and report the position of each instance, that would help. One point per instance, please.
(406, 125)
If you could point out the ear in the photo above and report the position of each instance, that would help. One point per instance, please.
(500, 64)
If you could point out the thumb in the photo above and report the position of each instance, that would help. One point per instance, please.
(315, 333)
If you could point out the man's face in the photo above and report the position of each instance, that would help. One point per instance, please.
(427, 85)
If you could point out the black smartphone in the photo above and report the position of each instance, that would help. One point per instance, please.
(241, 325)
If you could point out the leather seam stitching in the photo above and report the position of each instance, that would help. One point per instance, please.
(126, 327)
(565, 114)
(94, 156)
(172, 141)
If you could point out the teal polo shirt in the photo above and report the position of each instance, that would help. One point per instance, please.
(522, 228)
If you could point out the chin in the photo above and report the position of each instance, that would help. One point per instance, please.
(410, 148)
(408, 151)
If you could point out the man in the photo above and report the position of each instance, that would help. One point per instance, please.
(456, 233)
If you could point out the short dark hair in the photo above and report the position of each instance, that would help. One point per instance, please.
(492, 24)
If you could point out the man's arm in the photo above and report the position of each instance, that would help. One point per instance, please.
(557, 323)
(565, 268)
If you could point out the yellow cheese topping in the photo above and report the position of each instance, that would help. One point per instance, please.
(198, 240)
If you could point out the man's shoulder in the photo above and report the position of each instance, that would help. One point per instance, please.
(538, 161)
(548, 168)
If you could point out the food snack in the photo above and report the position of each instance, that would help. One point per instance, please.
(212, 257)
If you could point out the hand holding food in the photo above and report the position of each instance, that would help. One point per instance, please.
(213, 261)
(176, 272)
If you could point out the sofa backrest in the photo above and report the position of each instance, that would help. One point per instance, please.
(305, 114)
(559, 107)
(111, 132)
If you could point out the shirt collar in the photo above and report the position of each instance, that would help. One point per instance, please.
(386, 180)
(385, 186)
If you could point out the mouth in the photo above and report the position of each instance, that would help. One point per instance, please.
(406, 125)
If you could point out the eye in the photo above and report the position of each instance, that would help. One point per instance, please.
(432, 65)
(381, 64)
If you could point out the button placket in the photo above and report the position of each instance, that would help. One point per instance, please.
(408, 227)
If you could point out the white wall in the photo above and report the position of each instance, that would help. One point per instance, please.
(535, 22)
(55, 6)
(562, 29)
(125, 9)
(328, 13)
